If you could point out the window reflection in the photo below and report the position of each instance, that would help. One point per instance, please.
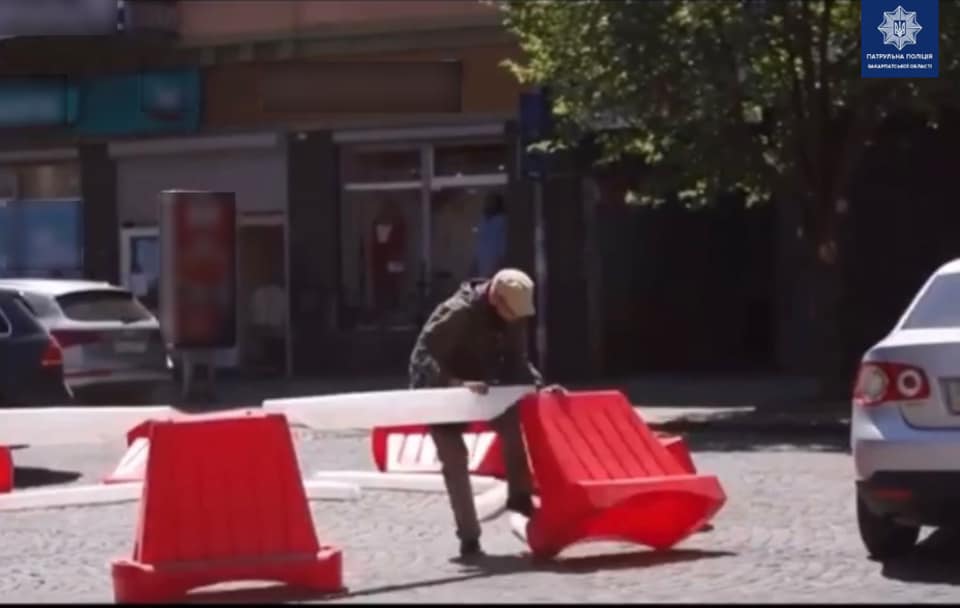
(380, 164)
(382, 258)
(393, 272)
(59, 180)
(470, 159)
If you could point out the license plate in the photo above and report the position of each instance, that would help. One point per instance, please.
(953, 395)
(126, 347)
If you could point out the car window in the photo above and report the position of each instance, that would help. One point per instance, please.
(41, 306)
(939, 306)
(103, 305)
(21, 316)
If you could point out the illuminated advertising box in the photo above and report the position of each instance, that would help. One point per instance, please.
(198, 269)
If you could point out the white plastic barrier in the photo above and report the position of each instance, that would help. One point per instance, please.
(518, 525)
(365, 410)
(67, 425)
(491, 503)
(396, 408)
(101, 494)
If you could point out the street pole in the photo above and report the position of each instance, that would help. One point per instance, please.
(540, 268)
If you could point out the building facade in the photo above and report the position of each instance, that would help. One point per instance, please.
(365, 143)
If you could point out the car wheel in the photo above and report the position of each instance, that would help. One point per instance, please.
(883, 537)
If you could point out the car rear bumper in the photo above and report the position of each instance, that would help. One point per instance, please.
(917, 497)
(882, 441)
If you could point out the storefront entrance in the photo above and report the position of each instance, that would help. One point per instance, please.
(261, 288)
(262, 295)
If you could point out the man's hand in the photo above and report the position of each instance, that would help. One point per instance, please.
(555, 389)
(480, 388)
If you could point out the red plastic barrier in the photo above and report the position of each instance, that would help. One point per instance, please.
(603, 475)
(141, 431)
(6, 470)
(223, 501)
(677, 448)
(410, 449)
(411, 457)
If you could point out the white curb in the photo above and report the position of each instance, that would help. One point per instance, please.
(103, 494)
(490, 502)
(409, 482)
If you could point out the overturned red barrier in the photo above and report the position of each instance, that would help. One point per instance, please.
(410, 449)
(223, 501)
(602, 475)
(6, 470)
(677, 448)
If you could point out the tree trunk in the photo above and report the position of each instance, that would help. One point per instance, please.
(830, 329)
(831, 357)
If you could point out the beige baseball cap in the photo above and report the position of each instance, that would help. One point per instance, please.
(515, 287)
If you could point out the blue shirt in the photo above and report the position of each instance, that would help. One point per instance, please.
(491, 245)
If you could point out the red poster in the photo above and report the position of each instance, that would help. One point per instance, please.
(198, 268)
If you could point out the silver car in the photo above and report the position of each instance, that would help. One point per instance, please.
(905, 427)
(112, 345)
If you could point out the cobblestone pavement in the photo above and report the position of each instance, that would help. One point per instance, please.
(787, 534)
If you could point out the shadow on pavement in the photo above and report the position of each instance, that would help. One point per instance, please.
(32, 477)
(933, 561)
(498, 565)
(508, 564)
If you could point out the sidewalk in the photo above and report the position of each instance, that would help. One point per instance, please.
(727, 403)
(716, 403)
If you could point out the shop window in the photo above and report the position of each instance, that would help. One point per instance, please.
(43, 238)
(382, 258)
(48, 181)
(378, 165)
(7, 245)
(140, 272)
(470, 159)
(408, 238)
(8, 184)
(468, 240)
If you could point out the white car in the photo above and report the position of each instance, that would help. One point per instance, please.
(112, 345)
(905, 427)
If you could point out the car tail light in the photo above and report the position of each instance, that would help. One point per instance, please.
(882, 382)
(67, 338)
(53, 355)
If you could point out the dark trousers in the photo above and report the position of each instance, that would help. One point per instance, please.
(452, 452)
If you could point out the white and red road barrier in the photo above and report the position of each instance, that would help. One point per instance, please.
(6, 470)
(403, 448)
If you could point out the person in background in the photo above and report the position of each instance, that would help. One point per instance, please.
(476, 338)
(491, 244)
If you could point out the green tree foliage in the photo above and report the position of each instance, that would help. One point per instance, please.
(761, 96)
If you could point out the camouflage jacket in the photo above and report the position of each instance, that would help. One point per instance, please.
(466, 340)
